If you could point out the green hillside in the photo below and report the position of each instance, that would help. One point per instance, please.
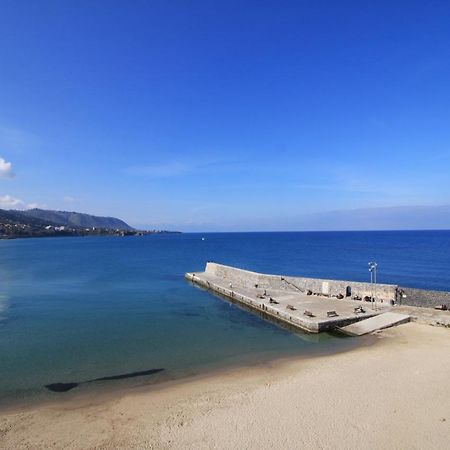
(69, 219)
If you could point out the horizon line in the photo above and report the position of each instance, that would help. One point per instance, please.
(316, 231)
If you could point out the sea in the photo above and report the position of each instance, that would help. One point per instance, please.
(100, 313)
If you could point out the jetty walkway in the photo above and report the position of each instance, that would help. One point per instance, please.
(292, 300)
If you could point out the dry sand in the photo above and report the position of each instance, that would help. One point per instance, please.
(393, 394)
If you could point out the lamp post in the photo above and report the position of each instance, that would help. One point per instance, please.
(373, 281)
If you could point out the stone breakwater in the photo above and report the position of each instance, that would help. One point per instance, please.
(291, 299)
(322, 287)
(422, 298)
(389, 293)
(311, 304)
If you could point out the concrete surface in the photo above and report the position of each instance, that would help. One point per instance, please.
(427, 316)
(258, 298)
(385, 320)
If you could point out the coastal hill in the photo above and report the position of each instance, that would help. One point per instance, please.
(46, 223)
(13, 217)
(74, 219)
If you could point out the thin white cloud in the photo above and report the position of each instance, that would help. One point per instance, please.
(10, 202)
(17, 140)
(379, 218)
(6, 169)
(70, 199)
(7, 201)
(172, 169)
(177, 168)
(32, 206)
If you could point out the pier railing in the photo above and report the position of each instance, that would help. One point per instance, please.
(292, 284)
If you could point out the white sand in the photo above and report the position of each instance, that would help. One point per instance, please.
(394, 394)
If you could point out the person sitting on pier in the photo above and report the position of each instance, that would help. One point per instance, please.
(441, 307)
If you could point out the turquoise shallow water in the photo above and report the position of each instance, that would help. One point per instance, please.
(76, 309)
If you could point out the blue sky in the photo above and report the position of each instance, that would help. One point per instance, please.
(224, 115)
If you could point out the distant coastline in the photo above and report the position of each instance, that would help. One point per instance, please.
(34, 223)
(82, 233)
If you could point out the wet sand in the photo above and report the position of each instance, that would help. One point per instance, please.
(392, 394)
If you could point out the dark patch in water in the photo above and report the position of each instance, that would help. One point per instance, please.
(61, 387)
(127, 375)
(64, 387)
(168, 277)
(187, 314)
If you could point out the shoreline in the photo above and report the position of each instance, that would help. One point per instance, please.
(392, 394)
(68, 235)
(110, 391)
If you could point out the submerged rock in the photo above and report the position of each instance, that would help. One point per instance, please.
(64, 387)
(61, 387)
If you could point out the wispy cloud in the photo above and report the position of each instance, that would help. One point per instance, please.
(70, 199)
(6, 169)
(171, 169)
(7, 201)
(383, 218)
(10, 202)
(336, 187)
(16, 139)
(179, 168)
(358, 179)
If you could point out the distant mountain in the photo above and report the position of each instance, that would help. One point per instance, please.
(14, 216)
(387, 218)
(69, 219)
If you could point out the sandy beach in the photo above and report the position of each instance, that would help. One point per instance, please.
(392, 394)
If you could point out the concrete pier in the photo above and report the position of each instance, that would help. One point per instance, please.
(385, 320)
(292, 299)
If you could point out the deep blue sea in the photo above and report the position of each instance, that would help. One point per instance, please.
(78, 309)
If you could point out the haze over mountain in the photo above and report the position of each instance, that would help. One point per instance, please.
(389, 218)
(419, 217)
